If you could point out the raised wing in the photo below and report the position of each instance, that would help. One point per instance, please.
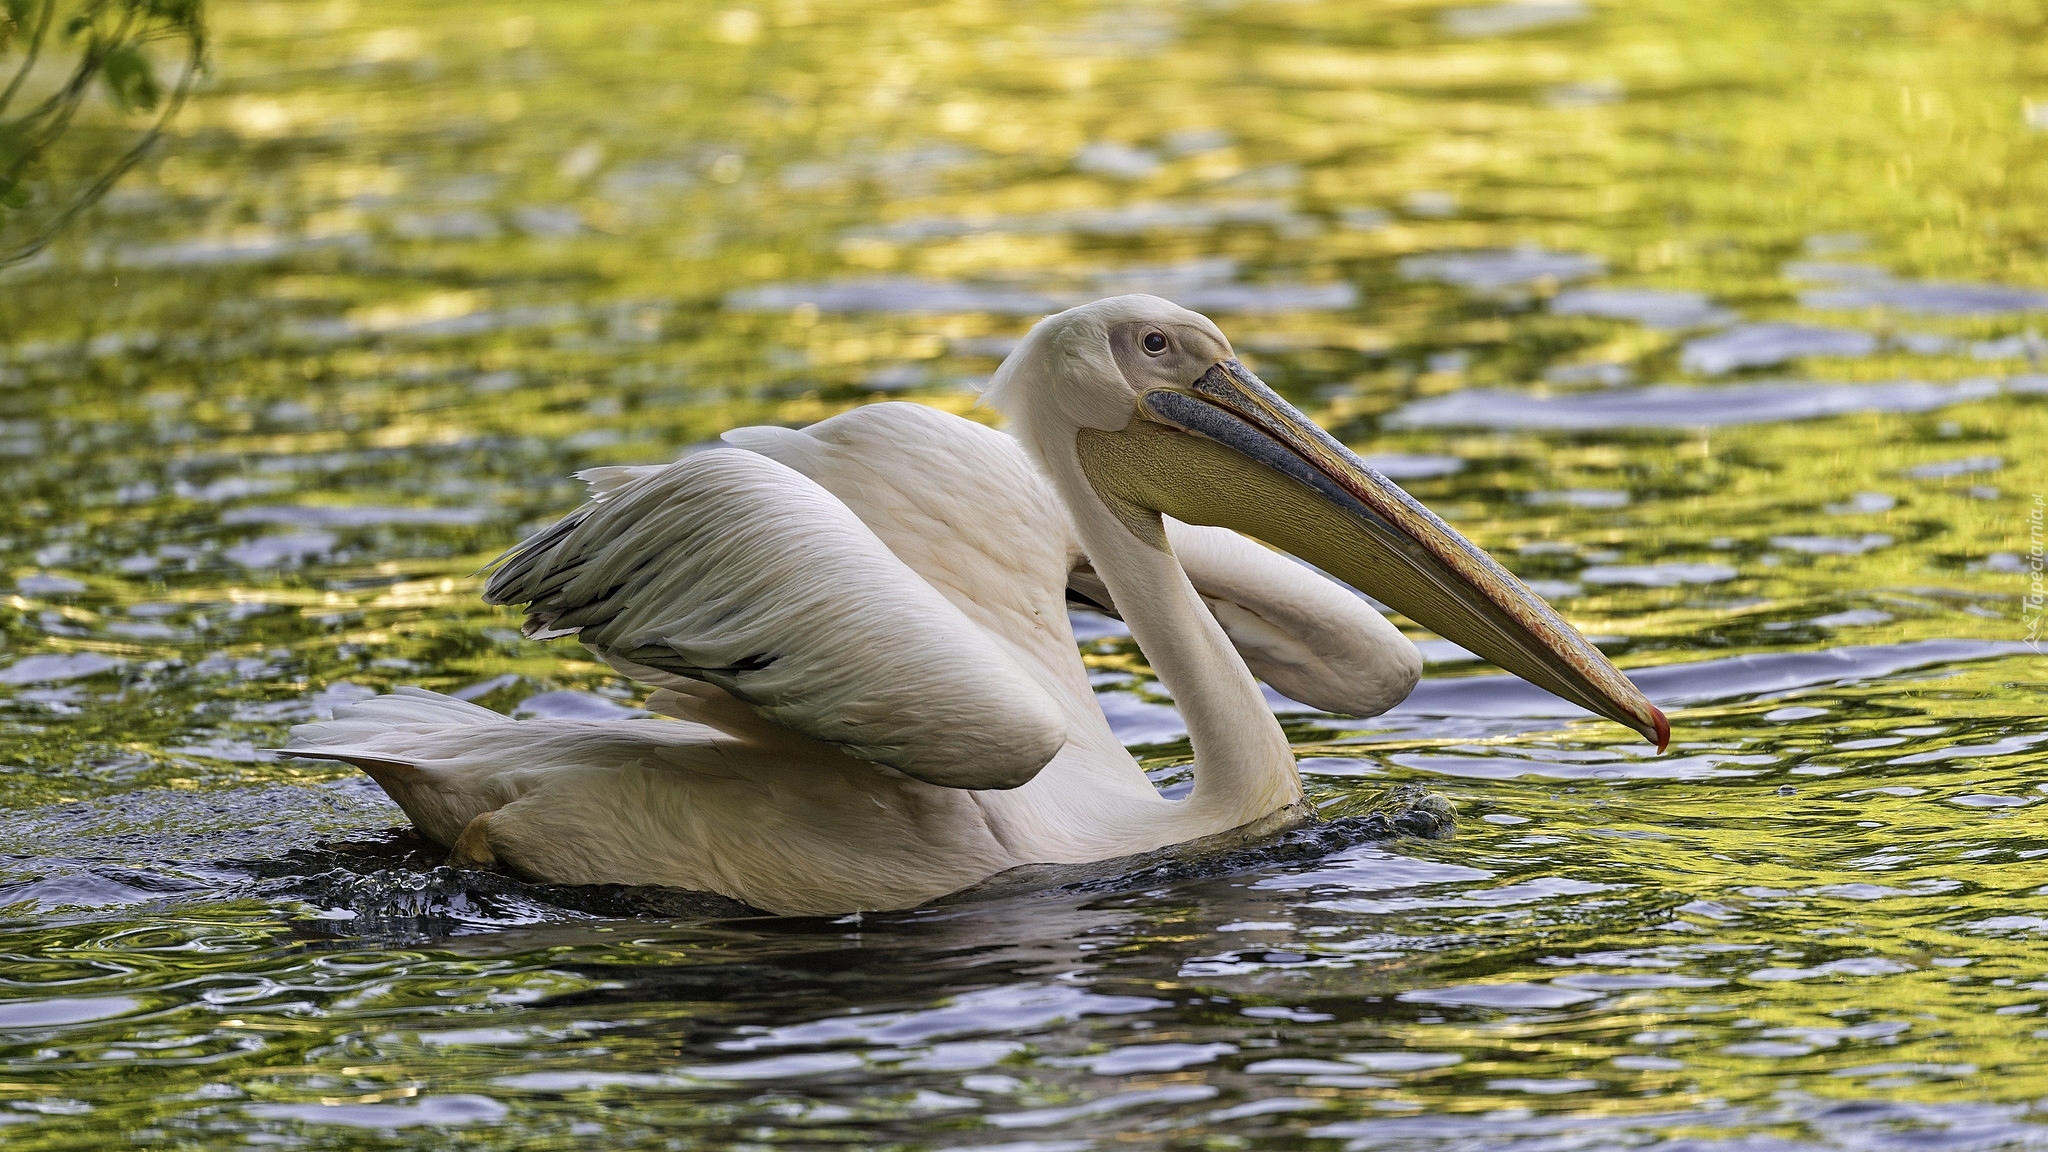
(730, 568)
(959, 502)
(966, 508)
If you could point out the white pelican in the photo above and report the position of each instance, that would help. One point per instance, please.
(863, 629)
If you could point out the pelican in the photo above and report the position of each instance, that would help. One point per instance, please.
(869, 688)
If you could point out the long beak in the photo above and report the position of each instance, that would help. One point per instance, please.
(1312, 497)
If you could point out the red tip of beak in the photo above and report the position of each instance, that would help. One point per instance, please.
(1663, 729)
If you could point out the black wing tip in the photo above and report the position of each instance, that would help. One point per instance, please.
(510, 571)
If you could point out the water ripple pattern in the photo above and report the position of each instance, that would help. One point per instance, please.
(1721, 326)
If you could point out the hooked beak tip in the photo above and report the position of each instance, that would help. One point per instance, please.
(1663, 728)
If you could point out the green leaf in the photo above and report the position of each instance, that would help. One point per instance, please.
(130, 79)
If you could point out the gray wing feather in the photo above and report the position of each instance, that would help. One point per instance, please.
(730, 568)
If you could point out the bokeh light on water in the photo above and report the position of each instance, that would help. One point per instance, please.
(1720, 324)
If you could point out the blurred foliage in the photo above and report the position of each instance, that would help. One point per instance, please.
(116, 45)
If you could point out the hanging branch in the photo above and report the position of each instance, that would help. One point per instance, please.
(113, 35)
(15, 10)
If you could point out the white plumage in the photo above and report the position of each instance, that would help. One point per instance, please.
(860, 631)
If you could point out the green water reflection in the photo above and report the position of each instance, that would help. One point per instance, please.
(401, 268)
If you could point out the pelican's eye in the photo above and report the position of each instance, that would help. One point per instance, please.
(1155, 343)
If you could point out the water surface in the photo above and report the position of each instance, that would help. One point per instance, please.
(1720, 324)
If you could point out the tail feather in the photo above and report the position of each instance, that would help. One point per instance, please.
(375, 729)
(446, 761)
(393, 738)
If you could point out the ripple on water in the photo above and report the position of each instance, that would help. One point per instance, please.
(1943, 469)
(282, 550)
(1138, 1058)
(1501, 269)
(1101, 1106)
(1700, 767)
(1505, 996)
(1656, 575)
(48, 584)
(1414, 466)
(1138, 721)
(1756, 676)
(1134, 219)
(1014, 1008)
(573, 705)
(1193, 288)
(1835, 1125)
(353, 515)
(1650, 307)
(1833, 545)
(243, 474)
(1505, 19)
(893, 294)
(60, 1012)
(56, 669)
(438, 1111)
(1763, 345)
(1926, 297)
(55, 882)
(1582, 498)
(1681, 406)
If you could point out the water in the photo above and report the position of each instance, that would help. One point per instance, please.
(1581, 273)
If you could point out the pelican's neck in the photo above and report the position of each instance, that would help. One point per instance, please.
(1243, 767)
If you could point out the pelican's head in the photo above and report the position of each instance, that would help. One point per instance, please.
(1147, 403)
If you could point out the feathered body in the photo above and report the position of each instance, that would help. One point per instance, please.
(728, 801)
(859, 638)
